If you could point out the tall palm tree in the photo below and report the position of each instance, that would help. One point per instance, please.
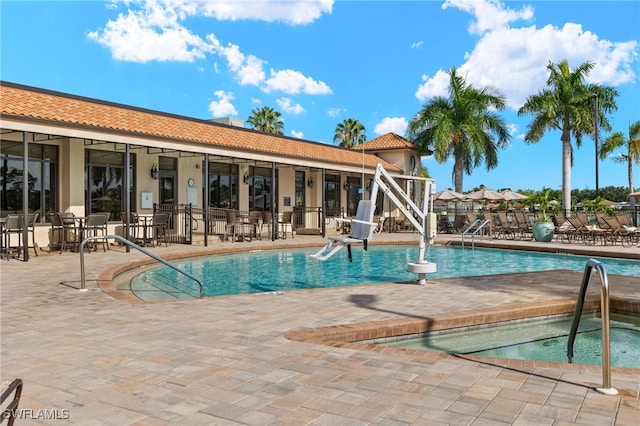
(466, 125)
(567, 105)
(267, 120)
(632, 145)
(349, 133)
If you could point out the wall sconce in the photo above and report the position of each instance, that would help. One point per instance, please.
(370, 185)
(346, 186)
(154, 171)
(310, 182)
(245, 173)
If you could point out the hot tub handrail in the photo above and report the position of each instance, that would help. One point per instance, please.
(604, 313)
(137, 247)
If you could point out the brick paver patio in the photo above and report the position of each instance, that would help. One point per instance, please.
(226, 360)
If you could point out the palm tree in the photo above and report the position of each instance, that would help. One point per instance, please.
(267, 120)
(632, 144)
(349, 133)
(465, 125)
(567, 105)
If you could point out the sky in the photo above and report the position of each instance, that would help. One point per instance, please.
(320, 62)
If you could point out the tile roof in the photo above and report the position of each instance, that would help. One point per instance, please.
(24, 102)
(386, 141)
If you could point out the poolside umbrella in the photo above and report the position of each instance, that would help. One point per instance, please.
(448, 195)
(635, 194)
(484, 194)
(510, 195)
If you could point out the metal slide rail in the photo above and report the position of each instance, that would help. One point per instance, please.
(604, 313)
(137, 247)
(475, 231)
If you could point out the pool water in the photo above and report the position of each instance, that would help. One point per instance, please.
(541, 340)
(282, 270)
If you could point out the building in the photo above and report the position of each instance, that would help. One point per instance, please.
(75, 152)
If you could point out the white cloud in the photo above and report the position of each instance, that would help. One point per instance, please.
(438, 85)
(490, 14)
(290, 12)
(296, 134)
(248, 69)
(150, 34)
(223, 106)
(294, 82)
(286, 106)
(515, 59)
(417, 45)
(397, 125)
(153, 30)
(335, 112)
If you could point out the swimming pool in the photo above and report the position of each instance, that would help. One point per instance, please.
(283, 270)
(543, 340)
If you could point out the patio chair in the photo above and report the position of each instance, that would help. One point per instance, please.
(13, 226)
(63, 226)
(507, 228)
(95, 225)
(562, 228)
(33, 218)
(458, 224)
(232, 225)
(256, 222)
(134, 225)
(362, 230)
(587, 233)
(267, 222)
(159, 224)
(285, 224)
(523, 225)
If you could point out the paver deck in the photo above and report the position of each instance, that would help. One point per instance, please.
(226, 360)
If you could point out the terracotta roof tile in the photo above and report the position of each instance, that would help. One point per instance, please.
(17, 101)
(386, 141)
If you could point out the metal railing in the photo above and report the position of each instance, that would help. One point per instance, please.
(480, 224)
(9, 412)
(604, 313)
(137, 247)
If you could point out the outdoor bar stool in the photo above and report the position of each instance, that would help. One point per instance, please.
(33, 218)
(13, 226)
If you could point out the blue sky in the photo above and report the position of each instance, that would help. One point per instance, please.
(321, 62)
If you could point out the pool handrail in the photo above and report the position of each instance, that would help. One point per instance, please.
(137, 247)
(481, 225)
(604, 313)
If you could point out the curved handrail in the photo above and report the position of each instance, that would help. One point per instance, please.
(137, 247)
(475, 231)
(604, 313)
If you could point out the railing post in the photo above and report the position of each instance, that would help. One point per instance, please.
(604, 313)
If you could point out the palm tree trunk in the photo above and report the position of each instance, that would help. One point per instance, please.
(458, 175)
(632, 200)
(566, 171)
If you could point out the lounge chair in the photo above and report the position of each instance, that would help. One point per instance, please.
(507, 227)
(362, 229)
(627, 235)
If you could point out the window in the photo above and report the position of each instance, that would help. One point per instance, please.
(223, 185)
(353, 195)
(260, 189)
(42, 178)
(104, 174)
(332, 195)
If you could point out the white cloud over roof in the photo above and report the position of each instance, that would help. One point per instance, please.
(397, 125)
(153, 30)
(223, 106)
